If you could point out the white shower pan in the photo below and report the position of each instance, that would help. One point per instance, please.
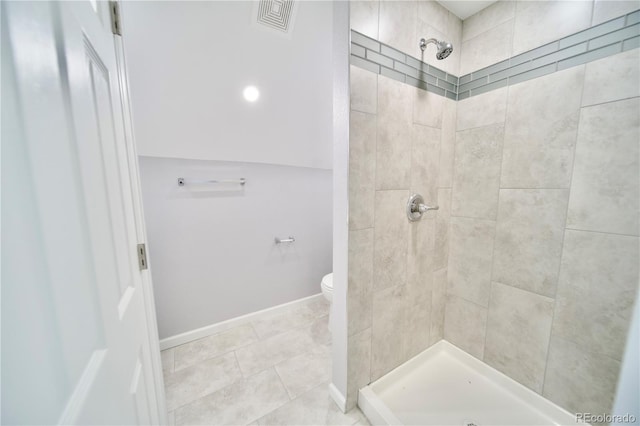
(446, 386)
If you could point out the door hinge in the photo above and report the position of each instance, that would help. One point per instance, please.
(142, 257)
(114, 10)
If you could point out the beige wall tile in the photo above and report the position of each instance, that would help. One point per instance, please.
(580, 381)
(560, 18)
(465, 325)
(428, 108)
(398, 24)
(425, 153)
(476, 175)
(470, 251)
(393, 157)
(360, 290)
(391, 231)
(482, 110)
(540, 134)
(435, 14)
(443, 216)
(421, 239)
(518, 332)
(487, 48)
(613, 78)
(438, 303)
(363, 90)
(529, 238)
(596, 291)
(605, 10)
(387, 351)
(447, 144)
(359, 365)
(417, 321)
(488, 18)
(605, 190)
(363, 17)
(362, 169)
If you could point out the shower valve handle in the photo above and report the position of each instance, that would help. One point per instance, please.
(416, 207)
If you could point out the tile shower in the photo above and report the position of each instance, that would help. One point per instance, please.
(531, 262)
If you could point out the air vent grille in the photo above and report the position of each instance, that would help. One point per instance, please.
(276, 14)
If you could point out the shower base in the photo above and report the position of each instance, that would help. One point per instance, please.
(446, 386)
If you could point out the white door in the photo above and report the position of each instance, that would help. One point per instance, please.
(79, 344)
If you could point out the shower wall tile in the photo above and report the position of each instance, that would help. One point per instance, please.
(358, 365)
(398, 24)
(447, 144)
(465, 325)
(438, 304)
(425, 152)
(482, 110)
(578, 380)
(433, 13)
(470, 250)
(428, 108)
(443, 218)
(488, 18)
(487, 48)
(560, 19)
(476, 177)
(613, 78)
(540, 136)
(597, 288)
(387, 333)
(360, 284)
(362, 169)
(391, 230)
(529, 238)
(518, 332)
(417, 321)
(364, 90)
(393, 155)
(363, 17)
(604, 10)
(605, 190)
(421, 239)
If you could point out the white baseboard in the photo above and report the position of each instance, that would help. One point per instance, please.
(338, 397)
(199, 333)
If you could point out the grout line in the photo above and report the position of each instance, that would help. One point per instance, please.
(603, 232)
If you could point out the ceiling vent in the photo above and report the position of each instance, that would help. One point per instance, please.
(276, 15)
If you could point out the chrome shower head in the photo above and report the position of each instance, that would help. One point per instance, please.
(444, 47)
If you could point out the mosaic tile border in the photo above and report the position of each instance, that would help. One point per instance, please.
(606, 39)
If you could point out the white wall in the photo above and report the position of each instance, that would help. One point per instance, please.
(189, 62)
(212, 250)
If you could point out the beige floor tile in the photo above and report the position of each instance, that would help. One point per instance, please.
(239, 404)
(209, 347)
(193, 382)
(314, 407)
(266, 353)
(167, 357)
(304, 372)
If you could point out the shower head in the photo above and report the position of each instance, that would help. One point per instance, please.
(444, 47)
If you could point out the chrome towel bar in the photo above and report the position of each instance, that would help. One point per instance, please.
(284, 240)
(183, 181)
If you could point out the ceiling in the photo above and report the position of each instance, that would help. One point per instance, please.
(465, 8)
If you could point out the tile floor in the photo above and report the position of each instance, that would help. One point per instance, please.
(272, 371)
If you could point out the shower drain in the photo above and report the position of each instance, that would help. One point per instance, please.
(469, 423)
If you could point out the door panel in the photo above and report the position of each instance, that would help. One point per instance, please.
(68, 101)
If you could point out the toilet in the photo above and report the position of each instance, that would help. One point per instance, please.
(327, 290)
